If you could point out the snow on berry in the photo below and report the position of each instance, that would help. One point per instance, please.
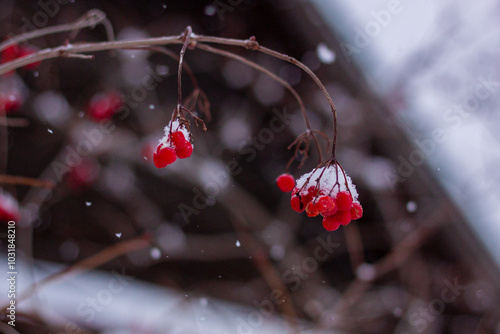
(328, 191)
(285, 182)
(9, 208)
(174, 144)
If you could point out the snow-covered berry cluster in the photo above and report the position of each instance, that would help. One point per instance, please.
(9, 208)
(325, 191)
(174, 144)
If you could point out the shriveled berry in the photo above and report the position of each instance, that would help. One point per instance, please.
(178, 140)
(326, 204)
(185, 152)
(312, 209)
(164, 156)
(356, 211)
(343, 217)
(285, 182)
(344, 200)
(330, 223)
(296, 204)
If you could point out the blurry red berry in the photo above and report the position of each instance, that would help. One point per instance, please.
(9, 103)
(9, 208)
(178, 140)
(356, 211)
(164, 156)
(330, 223)
(285, 182)
(185, 152)
(83, 175)
(10, 53)
(296, 204)
(26, 51)
(312, 209)
(344, 200)
(104, 106)
(148, 150)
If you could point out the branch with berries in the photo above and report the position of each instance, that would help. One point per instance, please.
(325, 191)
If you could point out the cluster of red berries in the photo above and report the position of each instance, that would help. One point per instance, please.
(174, 145)
(9, 208)
(104, 105)
(17, 51)
(335, 203)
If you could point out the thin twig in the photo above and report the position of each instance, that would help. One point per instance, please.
(282, 82)
(89, 19)
(25, 181)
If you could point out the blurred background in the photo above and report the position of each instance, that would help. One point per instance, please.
(209, 244)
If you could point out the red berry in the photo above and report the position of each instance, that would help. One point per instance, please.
(296, 204)
(343, 217)
(9, 208)
(83, 175)
(356, 211)
(26, 51)
(104, 106)
(9, 102)
(326, 204)
(312, 209)
(308, 197)
(285, 182)
(10, 53)
(178, 140)
(164, 156)
(186, 151)
(330, 223)
(344, 200)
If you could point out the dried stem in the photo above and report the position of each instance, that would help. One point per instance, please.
(89, 19)
(186, 36)
(25, 181)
